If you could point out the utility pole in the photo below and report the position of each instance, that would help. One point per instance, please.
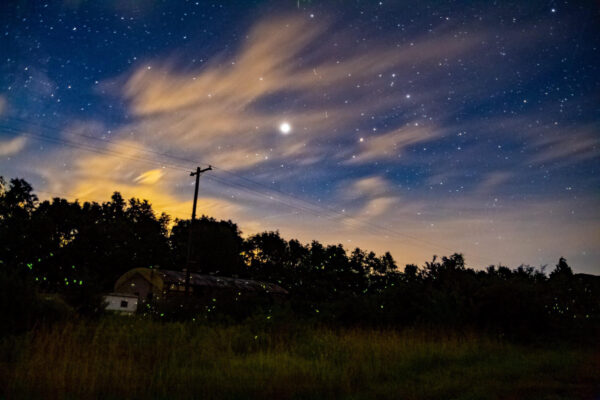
(189, 250)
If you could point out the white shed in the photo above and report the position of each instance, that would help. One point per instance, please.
(124, 303)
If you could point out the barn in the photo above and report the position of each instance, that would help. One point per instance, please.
(156, 284)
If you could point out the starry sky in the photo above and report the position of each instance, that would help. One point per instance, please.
(418, 127)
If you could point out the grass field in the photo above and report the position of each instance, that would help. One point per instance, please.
(129, 358)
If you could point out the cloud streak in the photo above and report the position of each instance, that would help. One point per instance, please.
(12, 146)
(391, 145)
(287, 69)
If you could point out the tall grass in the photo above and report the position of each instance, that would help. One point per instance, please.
(129, 358)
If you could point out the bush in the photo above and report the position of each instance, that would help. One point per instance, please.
(21, 306)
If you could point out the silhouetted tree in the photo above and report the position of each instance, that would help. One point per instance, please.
(17, 203)
(216, 246)
(79, 250)
(562, 270)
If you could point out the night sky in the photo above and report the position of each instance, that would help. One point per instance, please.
(421, 127)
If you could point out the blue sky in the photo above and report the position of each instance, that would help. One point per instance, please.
(416, 127)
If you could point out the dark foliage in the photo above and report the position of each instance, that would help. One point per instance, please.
(216, 246)
(78, 251)
(22, 307)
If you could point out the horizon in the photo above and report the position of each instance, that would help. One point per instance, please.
(173, 221)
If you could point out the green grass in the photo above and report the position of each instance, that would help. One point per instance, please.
(129, 358)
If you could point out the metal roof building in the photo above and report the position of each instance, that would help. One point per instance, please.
(147, 283)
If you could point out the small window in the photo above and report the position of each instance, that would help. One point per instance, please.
(124, 303)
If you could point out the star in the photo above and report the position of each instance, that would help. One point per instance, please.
(285, 128)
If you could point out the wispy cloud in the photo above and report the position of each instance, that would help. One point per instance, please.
(570, 145)
(3, 104)
(287, 69)
(12, 146)
(150, 177)
(492, 181)
(391, 145)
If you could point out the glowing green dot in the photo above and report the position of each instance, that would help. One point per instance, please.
(80, 283)
(30, 265)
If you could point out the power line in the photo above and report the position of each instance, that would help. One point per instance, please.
(374, 228)
(141, 159)
(126, 145)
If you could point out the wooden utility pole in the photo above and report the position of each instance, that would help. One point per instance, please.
(191, 235)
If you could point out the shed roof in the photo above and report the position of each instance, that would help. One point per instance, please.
(151, 275)
(121, 295)
(161, 277)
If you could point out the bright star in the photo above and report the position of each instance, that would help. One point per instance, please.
(285, 128)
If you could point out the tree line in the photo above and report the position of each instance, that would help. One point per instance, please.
(73, 253)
